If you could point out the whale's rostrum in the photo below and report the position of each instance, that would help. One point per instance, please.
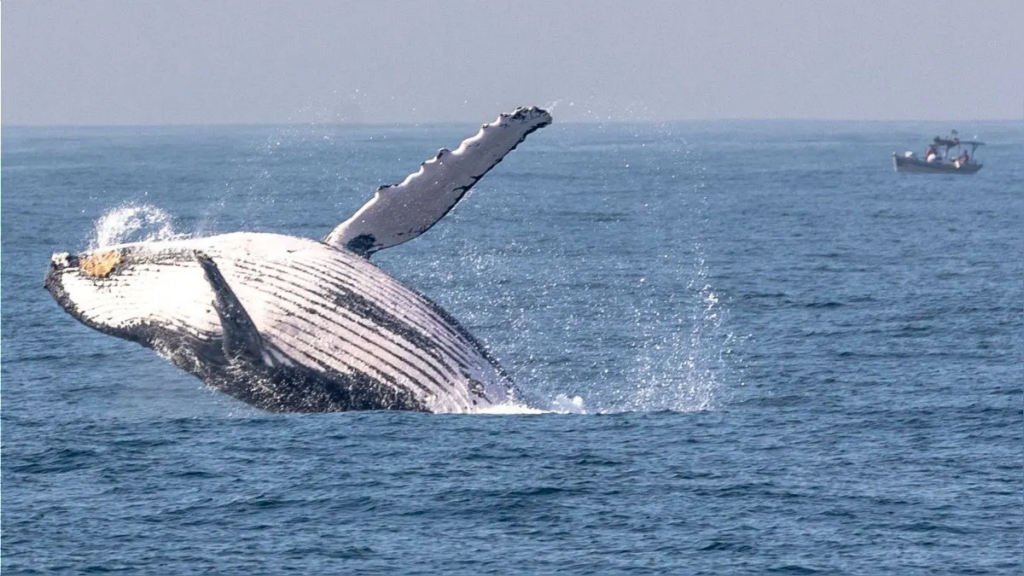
(295, 325)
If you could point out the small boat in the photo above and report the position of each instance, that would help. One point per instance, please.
(944, 156)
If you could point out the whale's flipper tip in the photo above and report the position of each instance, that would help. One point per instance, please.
(532, 114)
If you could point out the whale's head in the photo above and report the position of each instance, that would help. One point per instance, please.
(141, 292)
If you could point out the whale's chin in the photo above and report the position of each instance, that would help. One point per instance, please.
(61, 264)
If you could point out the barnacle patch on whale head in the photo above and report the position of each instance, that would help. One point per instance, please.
(99, 265)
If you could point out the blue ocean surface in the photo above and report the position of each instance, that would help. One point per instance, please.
(760, 351)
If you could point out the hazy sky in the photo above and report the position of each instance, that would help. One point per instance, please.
(249, 61)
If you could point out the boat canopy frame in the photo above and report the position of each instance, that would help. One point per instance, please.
(954, 141)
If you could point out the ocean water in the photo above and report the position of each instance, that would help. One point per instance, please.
(758, 348)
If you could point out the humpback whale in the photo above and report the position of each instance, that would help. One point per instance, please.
(290, 324)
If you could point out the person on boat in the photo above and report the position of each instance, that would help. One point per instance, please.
(930, 155)
(965, 158)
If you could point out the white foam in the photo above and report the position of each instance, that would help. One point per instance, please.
(566, 405)
(562, 404)
(510, 409)
(133, 224)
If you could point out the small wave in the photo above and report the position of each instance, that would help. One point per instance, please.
(133, 224)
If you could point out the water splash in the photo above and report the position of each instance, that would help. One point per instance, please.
(680, 370)
(133, 224)
(686, 357)
(563, 404)
(625, 315)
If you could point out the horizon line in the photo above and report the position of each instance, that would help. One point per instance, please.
(459, 122)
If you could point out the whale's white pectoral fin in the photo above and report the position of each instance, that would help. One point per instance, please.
(401, 212)
(241, 339)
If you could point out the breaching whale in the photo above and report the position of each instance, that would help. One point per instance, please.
(289, 324)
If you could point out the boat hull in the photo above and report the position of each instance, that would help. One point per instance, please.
(916, 166)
